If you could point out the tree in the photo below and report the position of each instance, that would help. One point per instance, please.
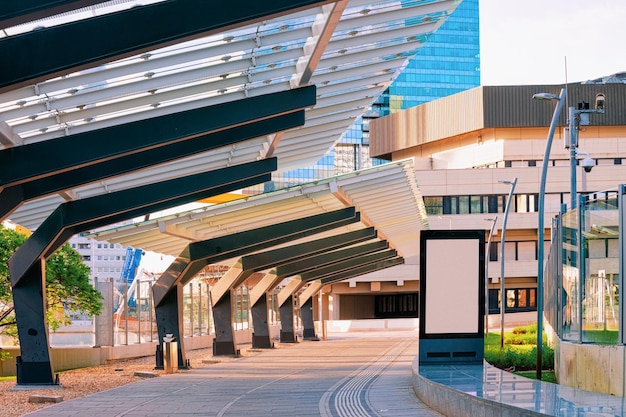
(68, 290)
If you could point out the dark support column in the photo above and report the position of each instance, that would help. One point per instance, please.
(169, 320)
(287, 332)
(224, 343)
(261, 336)
(306, 311)
(33, 365)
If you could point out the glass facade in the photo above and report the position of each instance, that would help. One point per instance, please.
(448, 63)
(582, 280)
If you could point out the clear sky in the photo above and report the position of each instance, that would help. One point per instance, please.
(530, 41)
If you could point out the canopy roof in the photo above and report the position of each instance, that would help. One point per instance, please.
(350, 50)
(387, 198)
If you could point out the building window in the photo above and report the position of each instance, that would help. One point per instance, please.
(518, 300)
(434, 205)
(617, 161)
(84, 246)
(396, 305)
(532, 163)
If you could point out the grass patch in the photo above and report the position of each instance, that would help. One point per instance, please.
(520, 350)
(546, 376)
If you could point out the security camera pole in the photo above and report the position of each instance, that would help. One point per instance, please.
(579, 117)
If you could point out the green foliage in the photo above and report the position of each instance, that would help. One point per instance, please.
(546, 376)
(68, 289)
(520, 350)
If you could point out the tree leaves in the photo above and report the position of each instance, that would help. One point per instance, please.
(68, 289)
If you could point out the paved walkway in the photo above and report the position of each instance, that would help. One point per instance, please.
(348, 375)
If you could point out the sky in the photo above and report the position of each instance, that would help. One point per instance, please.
(551, 41)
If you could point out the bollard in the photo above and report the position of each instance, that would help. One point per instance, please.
(170, 354)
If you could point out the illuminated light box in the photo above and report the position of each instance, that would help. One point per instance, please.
(452, 296)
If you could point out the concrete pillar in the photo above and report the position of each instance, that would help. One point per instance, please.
(287, 332)
(224, 342)
(33, 364)
(306, 312)
(261, 334)
(169, 320)
(104, 321)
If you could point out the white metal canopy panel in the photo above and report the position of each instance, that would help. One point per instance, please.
(386, 196)
(351, 50)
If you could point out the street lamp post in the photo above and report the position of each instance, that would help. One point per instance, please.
(576, 117)
(540, 219)
(493, 225)
(502, 241)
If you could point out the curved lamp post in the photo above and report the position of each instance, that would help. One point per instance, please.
(541, 215)
(502, 241)
(493, 225)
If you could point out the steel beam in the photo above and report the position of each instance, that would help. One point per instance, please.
(339, 267)
(15, 13)
(33, 60)
(312, 288)
(249, 264)
(199, 254)
(13, 196)
(362, 270)
(328, 259)
(26, 266)
(258, 294)
(30, 162)
(276, 275)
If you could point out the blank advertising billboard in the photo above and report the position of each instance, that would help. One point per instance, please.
(452, 300)
(452, 286)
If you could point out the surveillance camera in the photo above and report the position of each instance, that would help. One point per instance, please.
(588, 163)
(600, 101)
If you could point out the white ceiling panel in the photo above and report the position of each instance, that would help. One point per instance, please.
(359, 55)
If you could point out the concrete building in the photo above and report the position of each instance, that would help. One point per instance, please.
(464, 145)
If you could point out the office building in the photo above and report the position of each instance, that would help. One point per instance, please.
(465, 146)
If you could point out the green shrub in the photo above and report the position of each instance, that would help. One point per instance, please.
(520, 350)
(523, 339)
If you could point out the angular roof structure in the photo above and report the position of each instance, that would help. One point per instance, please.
(386, 197)
(75, 71)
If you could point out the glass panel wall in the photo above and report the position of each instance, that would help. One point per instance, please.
(600, 234)
(134, 318)
(582, 282)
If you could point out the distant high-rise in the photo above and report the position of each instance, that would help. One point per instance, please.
(447, 64)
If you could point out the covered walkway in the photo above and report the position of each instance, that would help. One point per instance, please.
(350, 374)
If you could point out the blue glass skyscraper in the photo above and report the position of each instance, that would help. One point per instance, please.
(448, 63)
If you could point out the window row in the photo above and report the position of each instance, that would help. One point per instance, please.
(107, 269)
(521, 203)
(518, 300)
